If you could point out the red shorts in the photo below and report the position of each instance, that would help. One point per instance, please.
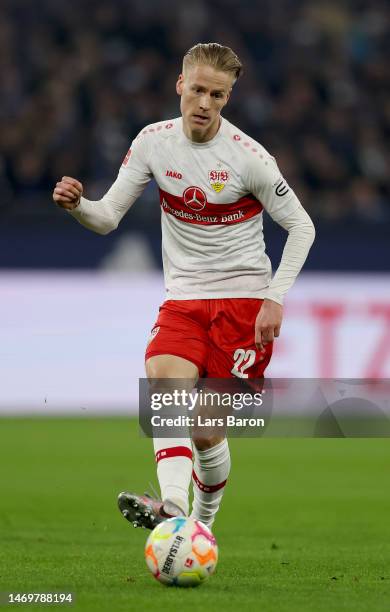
(218, 336)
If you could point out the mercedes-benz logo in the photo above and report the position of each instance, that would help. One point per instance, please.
(194, 198)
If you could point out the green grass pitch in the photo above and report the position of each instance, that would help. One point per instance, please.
(305, 524)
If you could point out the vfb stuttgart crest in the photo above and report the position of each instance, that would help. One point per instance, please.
(218, 179)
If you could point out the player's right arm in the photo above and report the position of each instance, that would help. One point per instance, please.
(104, 215)
(67, 193)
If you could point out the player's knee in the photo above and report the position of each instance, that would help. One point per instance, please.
(203, 442)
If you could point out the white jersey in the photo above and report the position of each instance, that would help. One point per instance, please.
(212, 197)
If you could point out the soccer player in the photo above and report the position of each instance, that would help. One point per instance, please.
(222, 309)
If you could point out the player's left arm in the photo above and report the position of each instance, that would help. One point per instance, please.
(282, 204)
(301, 235)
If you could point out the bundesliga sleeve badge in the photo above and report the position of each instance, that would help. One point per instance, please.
(218, 179)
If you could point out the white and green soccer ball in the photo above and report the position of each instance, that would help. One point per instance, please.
(181, 551)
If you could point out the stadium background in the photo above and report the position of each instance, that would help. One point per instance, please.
(79, 80)
(304, 523)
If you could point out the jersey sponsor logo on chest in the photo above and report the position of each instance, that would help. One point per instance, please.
(193, 207)
(195, 198)
(218, 179)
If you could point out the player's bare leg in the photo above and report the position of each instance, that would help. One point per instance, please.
(173, 455)
(211, 466)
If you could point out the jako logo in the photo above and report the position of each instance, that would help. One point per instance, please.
(174, 174)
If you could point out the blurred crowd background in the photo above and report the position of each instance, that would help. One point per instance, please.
(80, 79)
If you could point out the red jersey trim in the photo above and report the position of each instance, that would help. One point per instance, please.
(211, 214)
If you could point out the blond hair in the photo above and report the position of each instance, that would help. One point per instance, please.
(215, 55)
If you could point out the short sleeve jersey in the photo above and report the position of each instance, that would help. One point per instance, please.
(212, 197)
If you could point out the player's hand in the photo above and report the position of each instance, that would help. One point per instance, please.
(268, 323)
(67, 193)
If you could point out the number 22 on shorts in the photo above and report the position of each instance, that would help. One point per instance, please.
(242, 361)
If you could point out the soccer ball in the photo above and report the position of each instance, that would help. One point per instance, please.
(181, 551)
